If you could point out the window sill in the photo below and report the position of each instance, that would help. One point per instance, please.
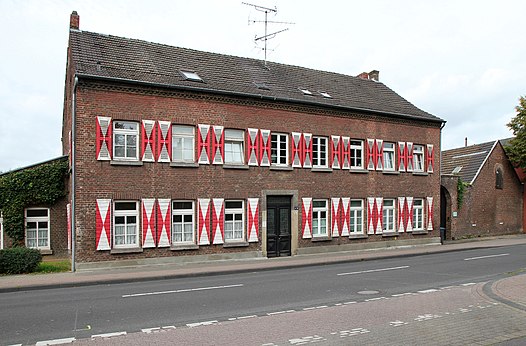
(358, 170)
(126, 250)
(389, 234)
(391, 172)
(236, 244)
(321, 169)
(234, 166)
(180, 247)
(125, 163)
(421, 173)
(322, 238)
(184, 164)
(358, 236)
(281, 168)
(419, 232)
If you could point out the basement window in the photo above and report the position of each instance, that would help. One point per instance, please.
(306, 92)
(190, 75)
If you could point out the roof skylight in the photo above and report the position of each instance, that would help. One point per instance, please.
(190, 75)
(306, 91)
(261, 85)
(457, 170)
(325, 94)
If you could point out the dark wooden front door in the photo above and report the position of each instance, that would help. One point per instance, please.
(278, 226)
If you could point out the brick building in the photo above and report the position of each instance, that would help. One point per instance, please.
(491, 201)
(179, 153)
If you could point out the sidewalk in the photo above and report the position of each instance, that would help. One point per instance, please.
(511, 288)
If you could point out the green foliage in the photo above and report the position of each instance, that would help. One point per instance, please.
(461, 188)
(54, 267)
(42, 184)
(516, 148)
(19, 260)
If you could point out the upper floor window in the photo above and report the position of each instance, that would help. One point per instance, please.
(234, 221)
(388, 215)
(499, 179)
(319, 151)
(183, 139)
(125, 224)
(234, 146)
(356, 216)
(183, 223)
(418, 158)
(356, 154)
(319, 218)
(418, 214)
(279, 144)
(37, 228)
(389, 156)
(125, 140)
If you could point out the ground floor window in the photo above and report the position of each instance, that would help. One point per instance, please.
(319, 218)
(125, 230)
(37, 228)
(418, 214)
(183, 223)
(356, 216)
(234, 221)
(388, 215)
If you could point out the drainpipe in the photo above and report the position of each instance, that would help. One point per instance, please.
(73, 150)
(444, 229)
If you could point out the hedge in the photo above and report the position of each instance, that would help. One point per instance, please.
(19, 260)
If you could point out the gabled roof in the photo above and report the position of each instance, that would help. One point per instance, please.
(466, 161)
(130, 60)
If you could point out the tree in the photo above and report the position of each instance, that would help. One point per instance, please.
(516, 148)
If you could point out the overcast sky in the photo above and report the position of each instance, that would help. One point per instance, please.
(463, 61)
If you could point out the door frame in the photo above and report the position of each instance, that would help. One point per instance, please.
(294, 213)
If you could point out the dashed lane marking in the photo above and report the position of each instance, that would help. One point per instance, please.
(484, 257)
(108, 335)
(205, 323)
(373, 270)
(181, 290)
(55, 342)
(279, 312)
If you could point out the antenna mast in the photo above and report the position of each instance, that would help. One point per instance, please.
(266, 36)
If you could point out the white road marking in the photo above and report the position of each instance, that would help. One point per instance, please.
(347, 303)
(181, 291)
(55, 342)
(431, 290)
(108, 335)
(488, 256)
(280, 312)
(373, 270)
(205, 323)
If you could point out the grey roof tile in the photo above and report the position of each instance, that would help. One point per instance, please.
(470, 158)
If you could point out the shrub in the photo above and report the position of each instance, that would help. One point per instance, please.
(19, 260)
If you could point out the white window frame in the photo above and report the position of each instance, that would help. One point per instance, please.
(126, 214)
(418, 214)
(234, 139)
(240, 224)
(355, 150)
(277, 141)
(127, 133)
(318, 218)
(418, 158)
(187, 155)
(183, 222)
(389, 156)
(388, 215)
(37, 220)
(318, 154)
(356, 221)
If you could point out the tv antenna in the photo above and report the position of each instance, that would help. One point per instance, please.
(266, 36)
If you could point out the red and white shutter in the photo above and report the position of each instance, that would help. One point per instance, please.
(218, 139)
(346, 152)
(264, 148)
(104, 142)
(430, 158)
(345, 216)
(203, 210)
(374, 215)
(335, 152)
(164, 141)
(402, 156)
(148, 222)
(296, 150)
(252, 147)
(429, 217)
(103, 224)
(410, 162)
(335, 216)
(379, 154)
(148, 140)
(218, 220)
(409, 215)
(307, 150)
(306, 217)
(68, 215)
(203, 144)
(253, 220)
(163, 222)
(402, 213)
(371, 154)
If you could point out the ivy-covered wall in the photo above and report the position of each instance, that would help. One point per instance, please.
(43, 184)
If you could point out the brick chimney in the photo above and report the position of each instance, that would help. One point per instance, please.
(74, 20)
(363, 75)
(374, 75)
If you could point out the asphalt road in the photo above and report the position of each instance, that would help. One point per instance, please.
(32, 316)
